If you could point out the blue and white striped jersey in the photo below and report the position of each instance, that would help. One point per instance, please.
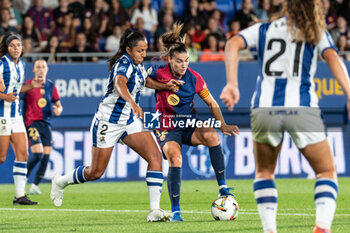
(13, 75)
(286, 68)
(114, 108)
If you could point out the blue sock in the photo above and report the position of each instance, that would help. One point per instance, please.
(174, 187)
(41, 169)
(32, 161)
(78, 175)
(218, 163)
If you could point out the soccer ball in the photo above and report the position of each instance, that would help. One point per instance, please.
(225, 208)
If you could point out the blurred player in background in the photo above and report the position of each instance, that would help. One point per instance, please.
(285, 100)
(177, 105)
(12, 129)
(39, 104)
(117, 119)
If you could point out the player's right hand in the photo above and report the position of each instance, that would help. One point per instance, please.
(136, 110)
(10, 97)
(230, 96)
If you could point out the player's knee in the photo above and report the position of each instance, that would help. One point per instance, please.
(175, 161)
(211, 139)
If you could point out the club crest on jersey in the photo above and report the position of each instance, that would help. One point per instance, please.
(42, 102)
(102, 140)
(173, 100)
(199, 159)
(42, 91)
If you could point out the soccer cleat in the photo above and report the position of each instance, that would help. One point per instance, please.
(56, 192)
(34, 190)
(177, 217)
(318, 229)
(225, 192)
(23, 201)
(158, 215)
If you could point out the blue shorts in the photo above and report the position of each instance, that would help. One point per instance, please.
(39, 132)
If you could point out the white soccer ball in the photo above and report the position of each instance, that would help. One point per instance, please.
(225, 208)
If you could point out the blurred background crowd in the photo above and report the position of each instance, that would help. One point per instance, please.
(88, 26)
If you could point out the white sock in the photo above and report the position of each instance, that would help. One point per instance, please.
(265, 193)
(154, 181)
(74, 177)
(20, 178)
(326, 191)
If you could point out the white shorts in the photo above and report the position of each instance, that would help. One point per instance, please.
(304, 125)
(105, 134)
(11, 125)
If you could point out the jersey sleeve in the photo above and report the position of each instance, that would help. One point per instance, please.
(325, 43)
(250, 35)
(152, 71)
(123, 68)
(55, 95)
(200, 84)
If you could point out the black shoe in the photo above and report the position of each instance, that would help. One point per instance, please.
(23, 201)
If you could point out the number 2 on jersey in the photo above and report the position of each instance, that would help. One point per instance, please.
(282, 43)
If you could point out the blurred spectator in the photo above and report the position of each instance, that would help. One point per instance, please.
(99, 18)
(126, 26)
(140, 27)
(112, 42)
(43, 19)
(22, 5)
(194, 16)
(220, 18)
(197, 36)
(52, 4)
(30, 31)
(78, 8)
(275, 7)
(343, 46)
(165, 26)
(342, 8)
(262, 9)
(89, 32)
(52, 48)
(211, 51)
(82, 47)
(16, 17)
(27, 45)
(341, 29)
(219, 34)
(60, 11)
(330, 14)
(207, 7)
(246, 15)
(117, 15)
(148, 15)
(234, 29)
(130, 5)
(66, 33)
(167, 8)
(5, 21)
(191, 48)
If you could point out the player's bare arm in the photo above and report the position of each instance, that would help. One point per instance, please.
(170, 86)
(122, 89)
(57, 108)
(36, 83)
(2, 85)
(10, 97)
(217, 114)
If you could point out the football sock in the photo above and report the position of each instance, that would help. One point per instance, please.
(265, 193)
(74, 177)
(218, 163)
(20, 177)
(33, 160)
(41, 169)
(154, 181)
(174, 187)
(326, 191)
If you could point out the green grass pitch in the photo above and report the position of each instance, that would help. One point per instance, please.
(123, 207)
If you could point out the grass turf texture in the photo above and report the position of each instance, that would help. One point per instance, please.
(123, 207)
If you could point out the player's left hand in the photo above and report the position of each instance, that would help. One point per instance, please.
(230, 96)
(229, 129)
(173, 83)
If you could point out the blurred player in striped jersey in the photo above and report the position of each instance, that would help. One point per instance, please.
(12, 129)
(117, 119)
(176, 106)
(285, 100)
(39, 104)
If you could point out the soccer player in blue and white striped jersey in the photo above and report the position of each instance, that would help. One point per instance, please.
(118, 119)
(12, 127)
(285, 100)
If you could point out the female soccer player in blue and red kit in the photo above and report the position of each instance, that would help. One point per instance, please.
(39, 104)
(177, 107)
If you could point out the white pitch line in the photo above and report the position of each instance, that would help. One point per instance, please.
(146, 211)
